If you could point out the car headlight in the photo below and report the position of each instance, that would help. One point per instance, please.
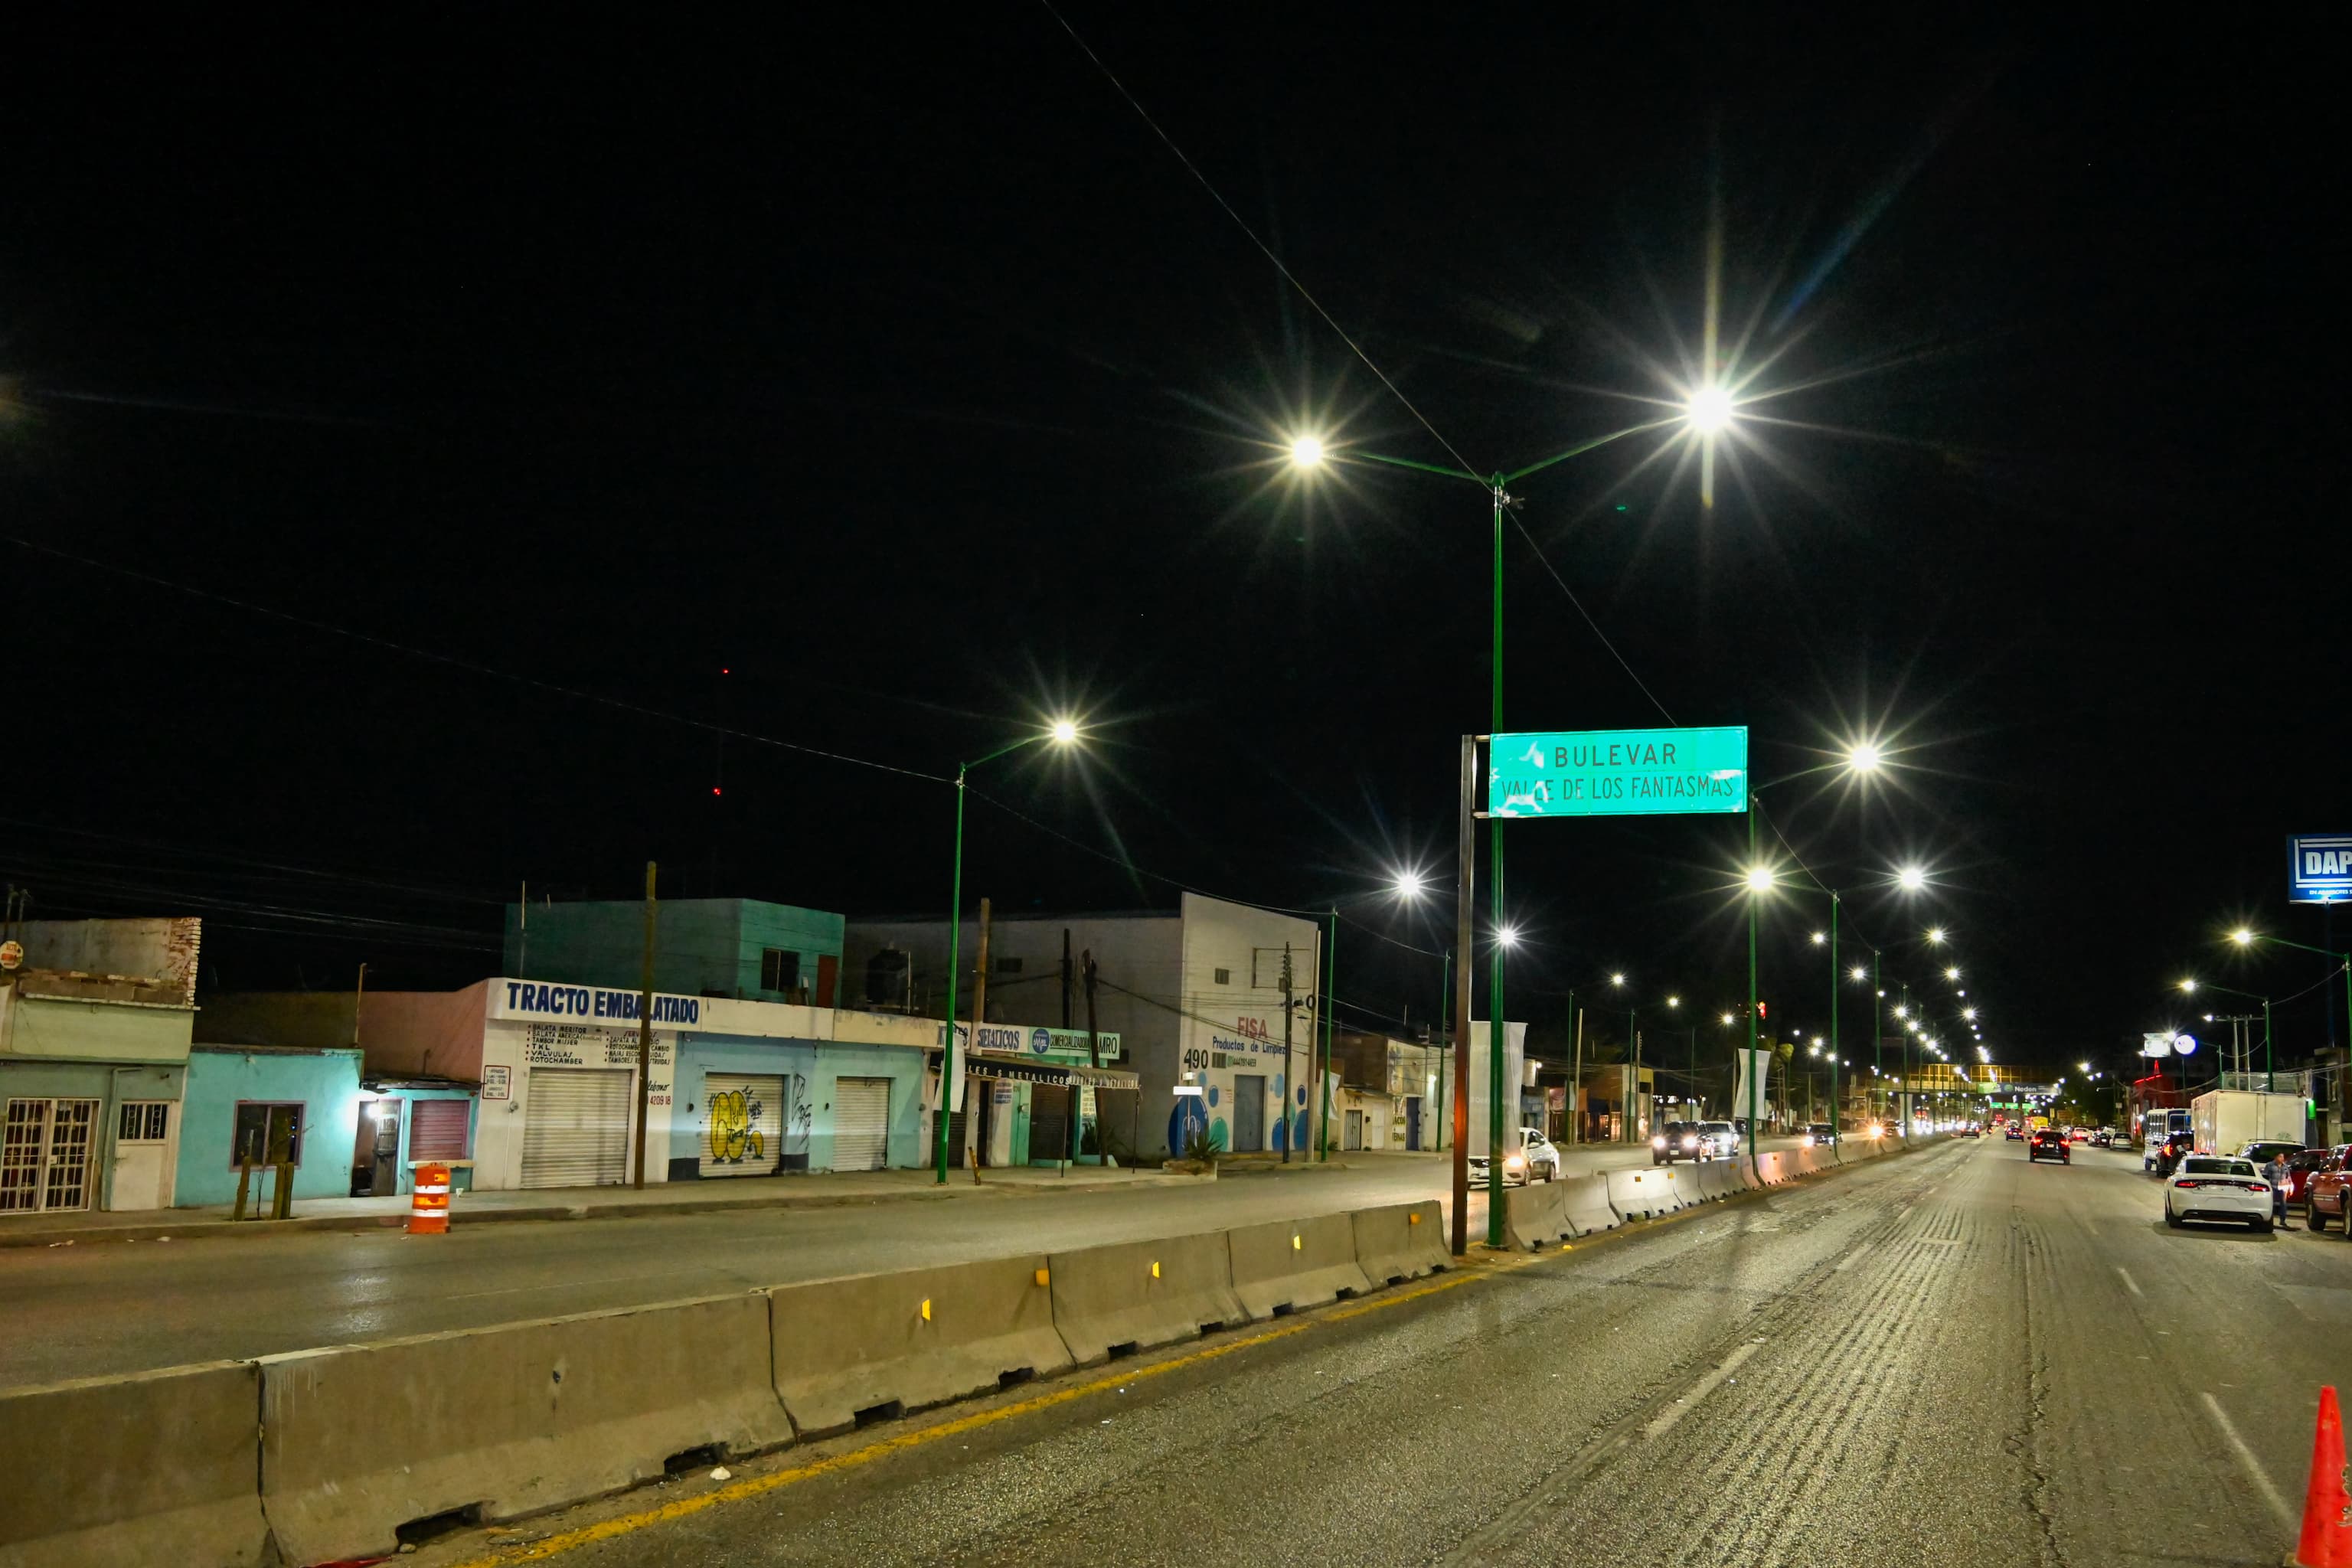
(1515, 1161)
(1876, 1130)
(1690, 1143)
(1658, 1142)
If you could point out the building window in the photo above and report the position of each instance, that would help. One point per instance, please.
(267, 1132)
(780, 970)
(143, 1122)
(1224, 978)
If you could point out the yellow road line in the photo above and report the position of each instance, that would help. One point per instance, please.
(752, 1485)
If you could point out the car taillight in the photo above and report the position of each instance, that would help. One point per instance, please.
(2188, 1183)
(2258, 1186)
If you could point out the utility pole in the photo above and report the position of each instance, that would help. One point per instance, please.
(1576, 1079)
(1289, 1068)
(1065, 977)
(1464, 876)
(1330, 988)
(646, 1031)
(979, 1020)
(358, 995)
(1093, 1043)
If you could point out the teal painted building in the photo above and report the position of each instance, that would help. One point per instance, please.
(750, 1106)
(741, 948)
(268, 1097)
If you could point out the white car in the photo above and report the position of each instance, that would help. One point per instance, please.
(1534, 1158)
(2210, 1187)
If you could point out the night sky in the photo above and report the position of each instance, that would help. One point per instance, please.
(404, 429)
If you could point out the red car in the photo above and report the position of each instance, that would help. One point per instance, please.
(2328, 1188)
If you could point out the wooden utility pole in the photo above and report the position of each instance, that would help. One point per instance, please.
(646, 1032)
(1093, 1043)
(1065, 977)
(357, 997)
(978, 1018)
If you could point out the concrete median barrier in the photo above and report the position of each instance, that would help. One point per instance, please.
(1283, 1267)
(1538, 1215)
(1400, 1242)
(1750, 1179)
(1584, 1200)
(1643, 1195)
(1719, 1179)
(1775, 1167)
(902, 1342)
(492, 1423)
(1134, 1295)
(154, 1467)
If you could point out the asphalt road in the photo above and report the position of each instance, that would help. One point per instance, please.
(1951, 1356)
(126, 1306)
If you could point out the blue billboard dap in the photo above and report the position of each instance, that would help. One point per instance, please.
(2319, 868)
(1617, 773)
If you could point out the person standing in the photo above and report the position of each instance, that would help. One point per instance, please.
(2274, 1171)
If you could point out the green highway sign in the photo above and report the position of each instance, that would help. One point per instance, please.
(1617, 773)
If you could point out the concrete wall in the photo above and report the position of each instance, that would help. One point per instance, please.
(315, 1019)
(701, 945)
(163, 950)
(325, 1081)
(46, 1027)
(430, 1034)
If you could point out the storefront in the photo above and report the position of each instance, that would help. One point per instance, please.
(758, 1105)
(1018, 1109)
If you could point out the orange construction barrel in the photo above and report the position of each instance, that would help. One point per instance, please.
(428, 1209)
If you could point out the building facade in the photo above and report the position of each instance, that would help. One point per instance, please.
(95, 1027)
(743, 948)
(1197, 997)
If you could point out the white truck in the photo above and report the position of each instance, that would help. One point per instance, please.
(2224, 1121)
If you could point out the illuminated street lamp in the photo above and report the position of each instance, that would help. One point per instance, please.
(2269, 1079)
(2246, 937)
(1060, 732)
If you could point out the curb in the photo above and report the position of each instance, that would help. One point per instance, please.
(460, 1218)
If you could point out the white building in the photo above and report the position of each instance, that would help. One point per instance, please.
(1196, 995)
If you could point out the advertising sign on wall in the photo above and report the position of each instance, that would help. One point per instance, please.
(2319, 869)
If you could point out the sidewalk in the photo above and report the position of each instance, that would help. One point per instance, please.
(826, 1190)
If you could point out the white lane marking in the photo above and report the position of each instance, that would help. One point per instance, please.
(2130, 1284)
(1698, 1391)
(1851, 1258)
(2254, 1466)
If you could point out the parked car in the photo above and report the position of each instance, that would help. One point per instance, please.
(2210, 1187)
(2105, 1138)
(1820, 1135)
(2300, 1165)
(1535, 1159)
(2049, 1143)
(2328, 1190)
(2260, 1151)
(2168, 1153)
(1675, 1141)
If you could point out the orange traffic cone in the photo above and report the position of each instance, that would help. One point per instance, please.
(2327, 1539)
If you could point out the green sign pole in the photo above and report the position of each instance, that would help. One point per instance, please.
(1755, 1160)
(1496, 1031)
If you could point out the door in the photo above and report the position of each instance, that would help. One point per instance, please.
(1412, 1121)
(375, 1169)
(1249, 1114)
(828, 978)
(742, 1128)
(1049, 1123)
(142, 1155)
(45, 1154)
(1352, 1140)
(861, 1121)
(576, 1128)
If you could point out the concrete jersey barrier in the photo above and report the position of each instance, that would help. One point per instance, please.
(1400, 1242)
(358, 1440)
(1537, 1215)
(1643, 1195)
(1291, 1264)
(1584, 1203)
(1719, 1179)
(909, 1339)
(152, 1466)
(1135, 1295)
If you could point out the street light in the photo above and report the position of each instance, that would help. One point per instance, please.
(1062, 732)
(1910, 879)
(2270, 1077)
(1306, 452)
(2245, 937)
(1709, 409)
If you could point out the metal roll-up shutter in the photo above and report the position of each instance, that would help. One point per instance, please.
(1049, 1122)
(861, 1123)
(576, 1128)
(743, 1125)
(437, 1128)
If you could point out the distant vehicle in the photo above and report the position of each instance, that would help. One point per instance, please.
(1535, 1158)
(2224, 1119)
(2078, 1134)
(2169, 1153)
(2261, 1150)
(2105, 1138)
(2014, 1131)
(1820, 1135)
(2212, 1187)
(1675, 1141)
(2049, 1144)
(2157, 1129)
(2328, 1190)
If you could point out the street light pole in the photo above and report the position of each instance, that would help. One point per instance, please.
(1062, 732)
(1330, 989)
(1837, 1117)
(1755, 1160)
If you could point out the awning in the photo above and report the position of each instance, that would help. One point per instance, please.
(1104, 1078)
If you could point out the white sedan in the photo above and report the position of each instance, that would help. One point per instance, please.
(2206, 1187)
(1534, 1160)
